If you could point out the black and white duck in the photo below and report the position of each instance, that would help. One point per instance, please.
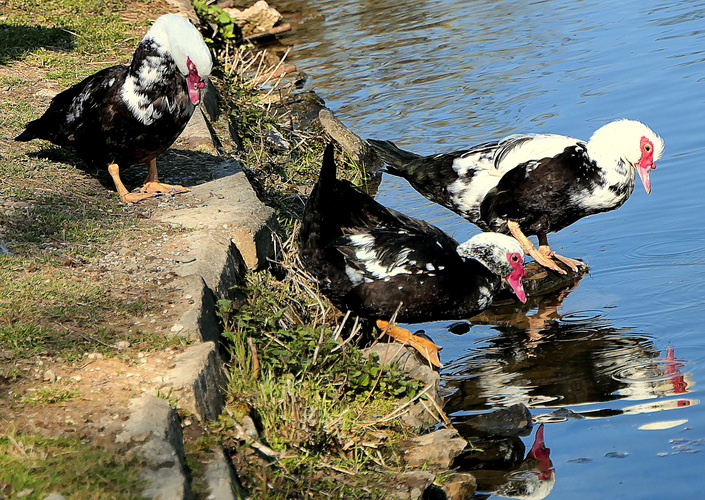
(131, 114)
(534, 184)
(375, 261)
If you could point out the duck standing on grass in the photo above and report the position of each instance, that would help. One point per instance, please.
(534, 184)
(131, 114)
(375, 261)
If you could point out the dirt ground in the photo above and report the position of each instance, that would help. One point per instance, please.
(88, 397)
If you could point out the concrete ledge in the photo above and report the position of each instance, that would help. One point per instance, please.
(198, 321)
(198, 381)
(230, 205)
(220, 478)
(153, 432)
(212, 255)
(197, 135)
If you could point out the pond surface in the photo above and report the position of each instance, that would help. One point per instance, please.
(614, 367)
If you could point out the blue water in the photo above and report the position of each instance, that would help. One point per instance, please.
(436, 76)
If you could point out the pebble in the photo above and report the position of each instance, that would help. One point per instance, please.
(49, 376)
(122, 344)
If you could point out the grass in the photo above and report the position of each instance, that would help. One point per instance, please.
(37, 466)
(322, 408)
(49, 394)
(324, 413)
(67, 36)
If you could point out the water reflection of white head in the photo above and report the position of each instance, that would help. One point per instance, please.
(535, 478)
(649, 378)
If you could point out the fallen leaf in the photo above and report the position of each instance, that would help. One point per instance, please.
(425, 347)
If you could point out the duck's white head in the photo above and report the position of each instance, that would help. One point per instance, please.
(629, 141)
(177, 36)
(499, 253)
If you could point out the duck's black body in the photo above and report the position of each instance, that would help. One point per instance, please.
(521, 193)
(93, 118)
(371, 260)
(130, 114)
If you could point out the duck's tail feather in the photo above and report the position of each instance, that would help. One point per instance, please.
(392, 155)
(328, 168)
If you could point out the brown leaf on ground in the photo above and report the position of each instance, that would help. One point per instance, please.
(425, 347)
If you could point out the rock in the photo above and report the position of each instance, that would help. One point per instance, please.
(411, 485)
(49, 376)
(230, 206)
(459, 486)
(436, 450)
(198, 321)
(351, 143)
(153, 432)
(299, 111)
(421, 414)
(276, 140)
(250, 428)
(505, 422)
(220, 477)
(185, 9)
(212, 255)
(54, 496)
(197, 135)
(198, 380)
(257, 18)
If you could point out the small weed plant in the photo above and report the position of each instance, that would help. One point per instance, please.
(315, 396)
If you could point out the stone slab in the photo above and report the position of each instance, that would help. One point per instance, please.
(220, 477)
(197, 135)
(153, 432)
(198, 381)
(198, 320)
(230, 205)
(212, 255)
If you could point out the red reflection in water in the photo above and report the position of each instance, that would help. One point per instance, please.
(680, 386)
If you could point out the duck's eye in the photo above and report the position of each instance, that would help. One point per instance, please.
(515, 258)
(647, 148)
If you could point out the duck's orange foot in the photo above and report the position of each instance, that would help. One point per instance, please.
(135, 197)
(155, 188)
(573, 264)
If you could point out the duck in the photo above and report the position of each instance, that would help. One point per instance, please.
(534, 184)
(375, 262)
(124, 115)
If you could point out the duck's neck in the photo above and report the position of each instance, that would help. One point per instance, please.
(615, 178)
(152, 82)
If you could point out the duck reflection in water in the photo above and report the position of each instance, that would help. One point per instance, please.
(569, 364)
(548, 359)
(510, 474)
